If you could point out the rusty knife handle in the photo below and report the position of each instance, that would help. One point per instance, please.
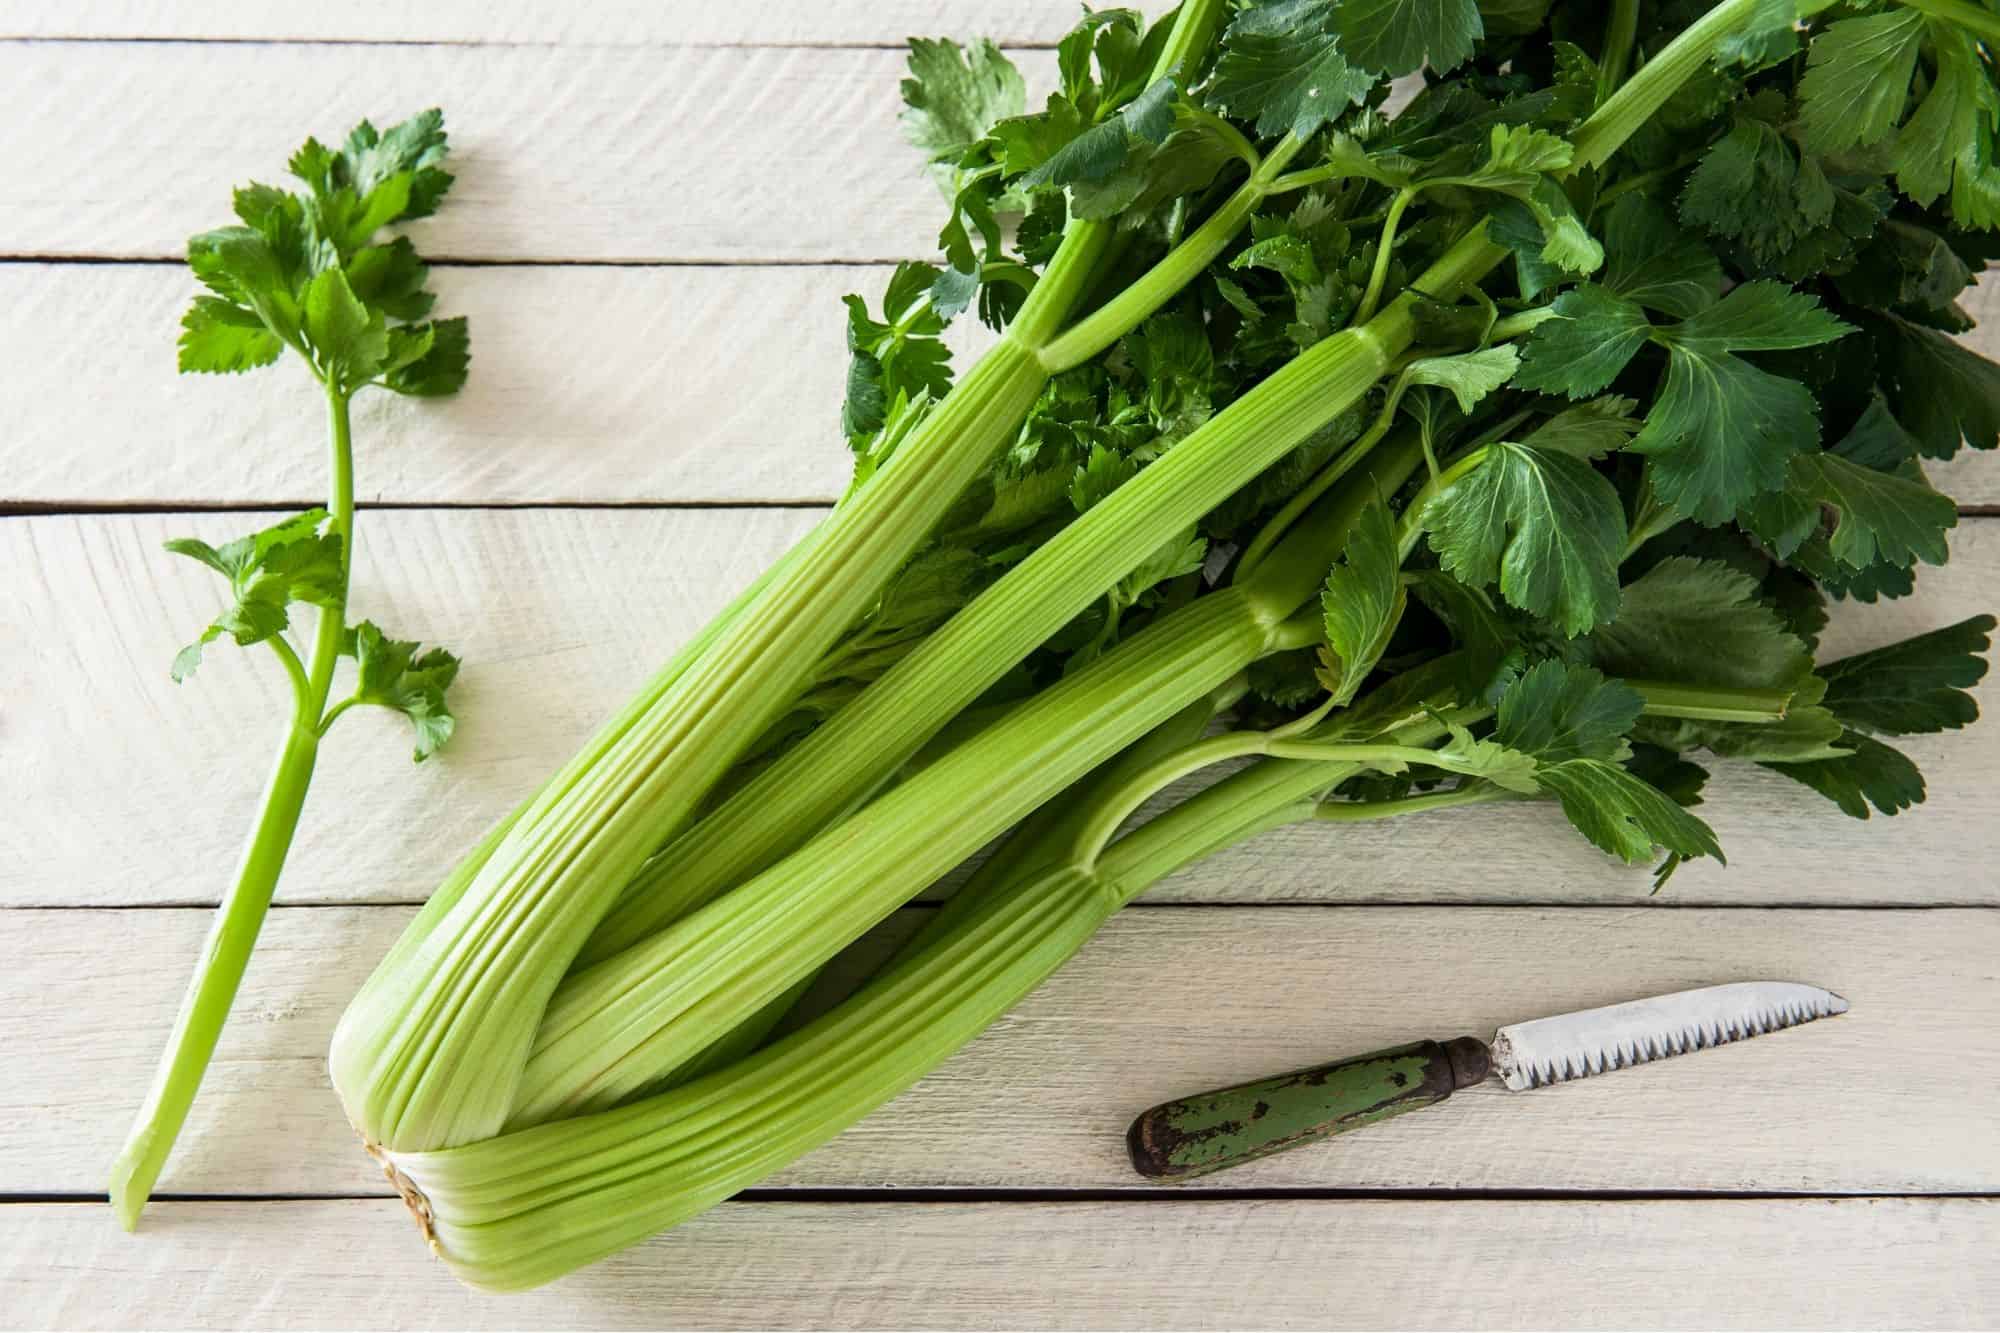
(1195, 1135)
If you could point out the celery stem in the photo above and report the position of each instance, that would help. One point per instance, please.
(1384, 249)
(1354, 812)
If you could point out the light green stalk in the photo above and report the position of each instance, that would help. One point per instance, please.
(240, 917)
(782, 806)
(616, 1027)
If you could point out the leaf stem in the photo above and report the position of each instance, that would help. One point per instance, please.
(1180, 266)
(212, 990)
(302, 709)
(1620, 29)
(1355, 812)
(332, 626)
(1384, 248)
(240, 917)
(332, 714)
(1640, 97)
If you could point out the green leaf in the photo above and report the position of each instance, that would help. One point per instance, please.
(221, 337)
(1362, 601)
(1557, 712)
(1489, 654)
(1877, 516)
(1722, 430)
(1653, 263)
(1680, 780)
(1097, 153)
(348, 340)
(1752, 188)
(391, 278)
(1623, 815)
(414, 147)
(1154, 174)
(289, 562)
(1698, 622)
(1398, 37)
(1282, 65)
(1941, 146)
(1588, 430)
(1595, 333)
(240, 265)
(954, 96)
(393, 674)
(1469, 376)
(1941, 391)
(1857, 79)
(439, 367)
(1870, 774)
(1545, 525)
(1104, 473)
(1484, 760)
(1915, 686)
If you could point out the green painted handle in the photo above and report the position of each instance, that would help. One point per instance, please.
(1196, 1135)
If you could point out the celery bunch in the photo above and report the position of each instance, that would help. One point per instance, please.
(1500, 444)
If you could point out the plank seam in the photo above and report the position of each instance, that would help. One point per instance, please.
(1169, 905)
(84, 508)
(908, 1196)
(135, 39)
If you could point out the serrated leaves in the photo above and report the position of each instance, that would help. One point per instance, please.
(953, 96)
(1868, 774)
(1398, 37)
(303, 271)
(1557, 712)
(1282, 66)
(294, 561)
(1595, 333)
(1913, 687)
(1721, 429)
(1857, 79)
(1361, 602)
(1469, 376)
(1699, 622)
(1544, 525)
(220, 337)
(1625, 816)
(399, 675)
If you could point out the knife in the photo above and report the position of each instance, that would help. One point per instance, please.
(1195, 1135)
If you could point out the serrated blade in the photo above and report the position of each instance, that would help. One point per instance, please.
(1591, 1041)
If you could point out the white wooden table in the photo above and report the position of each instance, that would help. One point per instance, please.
(665, 201)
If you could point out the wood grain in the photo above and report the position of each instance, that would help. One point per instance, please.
(589, 384)
(619, 385)
(823, 23)
(570, 153)
(1875, 1263)
(125, 788)
(1896, 1096)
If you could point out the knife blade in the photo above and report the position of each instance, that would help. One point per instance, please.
(1193, 1136)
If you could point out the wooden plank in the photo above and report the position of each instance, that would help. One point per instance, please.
(1318, 1264)
(674, 383)
(588, 384)
(654, 153)
(561, 614)
(824, 23)
(1894, 1097)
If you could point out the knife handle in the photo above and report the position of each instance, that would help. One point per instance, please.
(1195, 1135)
